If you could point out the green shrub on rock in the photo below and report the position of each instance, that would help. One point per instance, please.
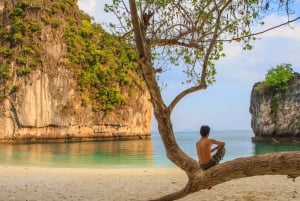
(277, 78)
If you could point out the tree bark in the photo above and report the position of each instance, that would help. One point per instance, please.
(161, 111)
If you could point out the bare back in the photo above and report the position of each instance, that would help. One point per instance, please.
(204, 150)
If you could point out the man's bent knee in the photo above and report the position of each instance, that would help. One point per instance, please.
(220, 154)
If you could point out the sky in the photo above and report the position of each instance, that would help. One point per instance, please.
(225, 104)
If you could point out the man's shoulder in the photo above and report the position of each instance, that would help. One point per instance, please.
(203, 141)
(212, 140)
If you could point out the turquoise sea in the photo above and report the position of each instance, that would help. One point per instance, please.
(130, 153)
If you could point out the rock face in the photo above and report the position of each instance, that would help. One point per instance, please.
(47, 108)
(46, 104)
(284, 125)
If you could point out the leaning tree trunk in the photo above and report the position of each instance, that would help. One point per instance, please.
(280, 163)
(161, 111)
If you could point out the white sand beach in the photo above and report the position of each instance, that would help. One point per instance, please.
(85, 184)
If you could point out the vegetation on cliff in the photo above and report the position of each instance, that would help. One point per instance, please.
(276, 80)
(105, 67)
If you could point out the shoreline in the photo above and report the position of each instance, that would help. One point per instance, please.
(142, 183)
(267, 139)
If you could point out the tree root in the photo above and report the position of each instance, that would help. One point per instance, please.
(173, 196)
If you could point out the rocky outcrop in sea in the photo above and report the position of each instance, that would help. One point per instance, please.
(284, 123)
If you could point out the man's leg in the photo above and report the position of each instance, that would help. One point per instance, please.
(209, 164)
(215, 159)
(219, 154)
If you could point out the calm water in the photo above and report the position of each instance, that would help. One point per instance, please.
(137, 153)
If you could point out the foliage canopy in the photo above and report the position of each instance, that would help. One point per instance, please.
(191, 34)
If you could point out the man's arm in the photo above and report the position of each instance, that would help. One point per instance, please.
(218, 143)
(214, 149)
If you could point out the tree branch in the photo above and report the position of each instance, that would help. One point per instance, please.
(261, 32)
(212, 44)
(136, 29)
(284, 163)
(174, 42)
(202, 84)
(183, 94)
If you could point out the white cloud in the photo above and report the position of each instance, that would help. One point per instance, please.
(233, 50)
(291, 30)
(96, 9)
(88, 6)
(272, 48)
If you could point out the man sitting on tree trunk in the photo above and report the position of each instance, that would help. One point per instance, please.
(204, 149)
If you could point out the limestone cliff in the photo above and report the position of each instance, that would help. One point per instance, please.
(41, 98)
(284, 125)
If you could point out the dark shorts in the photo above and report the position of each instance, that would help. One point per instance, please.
(216, 158)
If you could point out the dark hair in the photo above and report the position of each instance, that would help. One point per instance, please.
(204, 131)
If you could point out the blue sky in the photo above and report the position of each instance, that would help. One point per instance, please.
(225, 104)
